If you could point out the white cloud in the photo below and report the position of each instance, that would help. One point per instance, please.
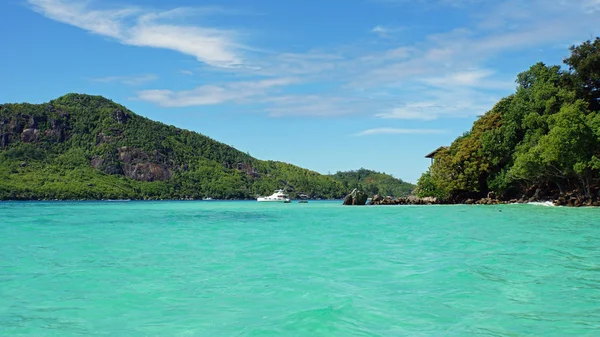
(479, 78)
(450, 74)
(385, 31)
(592, 5)
(420, 110)
(387, 131)
(379, 30)
(428, 111)
(143, 28)
(129, 80)
(431, 4)
(314, 105)
(187, 72)
(236, 92)
(498, 30)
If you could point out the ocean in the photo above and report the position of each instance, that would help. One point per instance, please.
(240, 268)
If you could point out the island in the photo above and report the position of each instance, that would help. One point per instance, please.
(83, 147)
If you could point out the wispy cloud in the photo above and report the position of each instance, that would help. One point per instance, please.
(379, 30)
(315, 105)
(431, 4)
(395, 131)
(440, 107)
(129, 80)
(140, 27)
(463, 78)
(385, 31)
(592, 5)
(450, 74)
(236, 92)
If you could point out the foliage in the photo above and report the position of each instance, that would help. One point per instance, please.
(545, 134)
(88, 147)
(372, 182)
(427, 187)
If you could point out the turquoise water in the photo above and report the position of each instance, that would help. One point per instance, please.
(316, 269)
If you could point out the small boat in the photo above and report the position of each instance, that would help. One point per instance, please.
(207, 198)
(277, 196)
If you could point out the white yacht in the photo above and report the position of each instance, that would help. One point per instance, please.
(278, 196)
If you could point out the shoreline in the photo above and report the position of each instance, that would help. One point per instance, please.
(560, 202)
(545, 203)
(126, 200)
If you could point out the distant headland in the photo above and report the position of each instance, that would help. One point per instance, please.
(83, 147)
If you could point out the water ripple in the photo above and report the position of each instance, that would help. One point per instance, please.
(243, 269)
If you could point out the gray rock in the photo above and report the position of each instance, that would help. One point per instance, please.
(29, 135)
(356, 198)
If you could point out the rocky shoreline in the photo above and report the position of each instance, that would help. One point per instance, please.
(568, 200)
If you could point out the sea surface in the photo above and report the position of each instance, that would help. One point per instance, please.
(213, 268)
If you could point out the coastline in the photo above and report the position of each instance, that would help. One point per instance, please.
(561, 201)
(377, 200)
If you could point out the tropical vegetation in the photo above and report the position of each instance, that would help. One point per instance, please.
(544, 139)
(88, 147)
(372, 183)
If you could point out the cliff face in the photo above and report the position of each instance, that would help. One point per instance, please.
(119, 150)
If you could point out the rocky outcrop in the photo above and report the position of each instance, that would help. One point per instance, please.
(3, 140)
(571, 199)
(107, 164)
(140, 165)
(135, 164)
(120, 116)
(356, 198)
(575, 200)
(410, 200)
(29, 135)
(147, 172)
(15, 127)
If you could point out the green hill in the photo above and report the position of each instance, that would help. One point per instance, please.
(88, 147)
(372, 182)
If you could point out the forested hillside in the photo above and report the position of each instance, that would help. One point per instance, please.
(542, 142)
(372, 182)
(88, 147)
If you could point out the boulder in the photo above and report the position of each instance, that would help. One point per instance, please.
(430, 200)
(29, 135)
(356, 198)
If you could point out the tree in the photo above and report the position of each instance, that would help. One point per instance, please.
(584, 63)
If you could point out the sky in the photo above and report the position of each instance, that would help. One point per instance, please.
(328, 85)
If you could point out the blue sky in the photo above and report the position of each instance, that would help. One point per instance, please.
(327, 85)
